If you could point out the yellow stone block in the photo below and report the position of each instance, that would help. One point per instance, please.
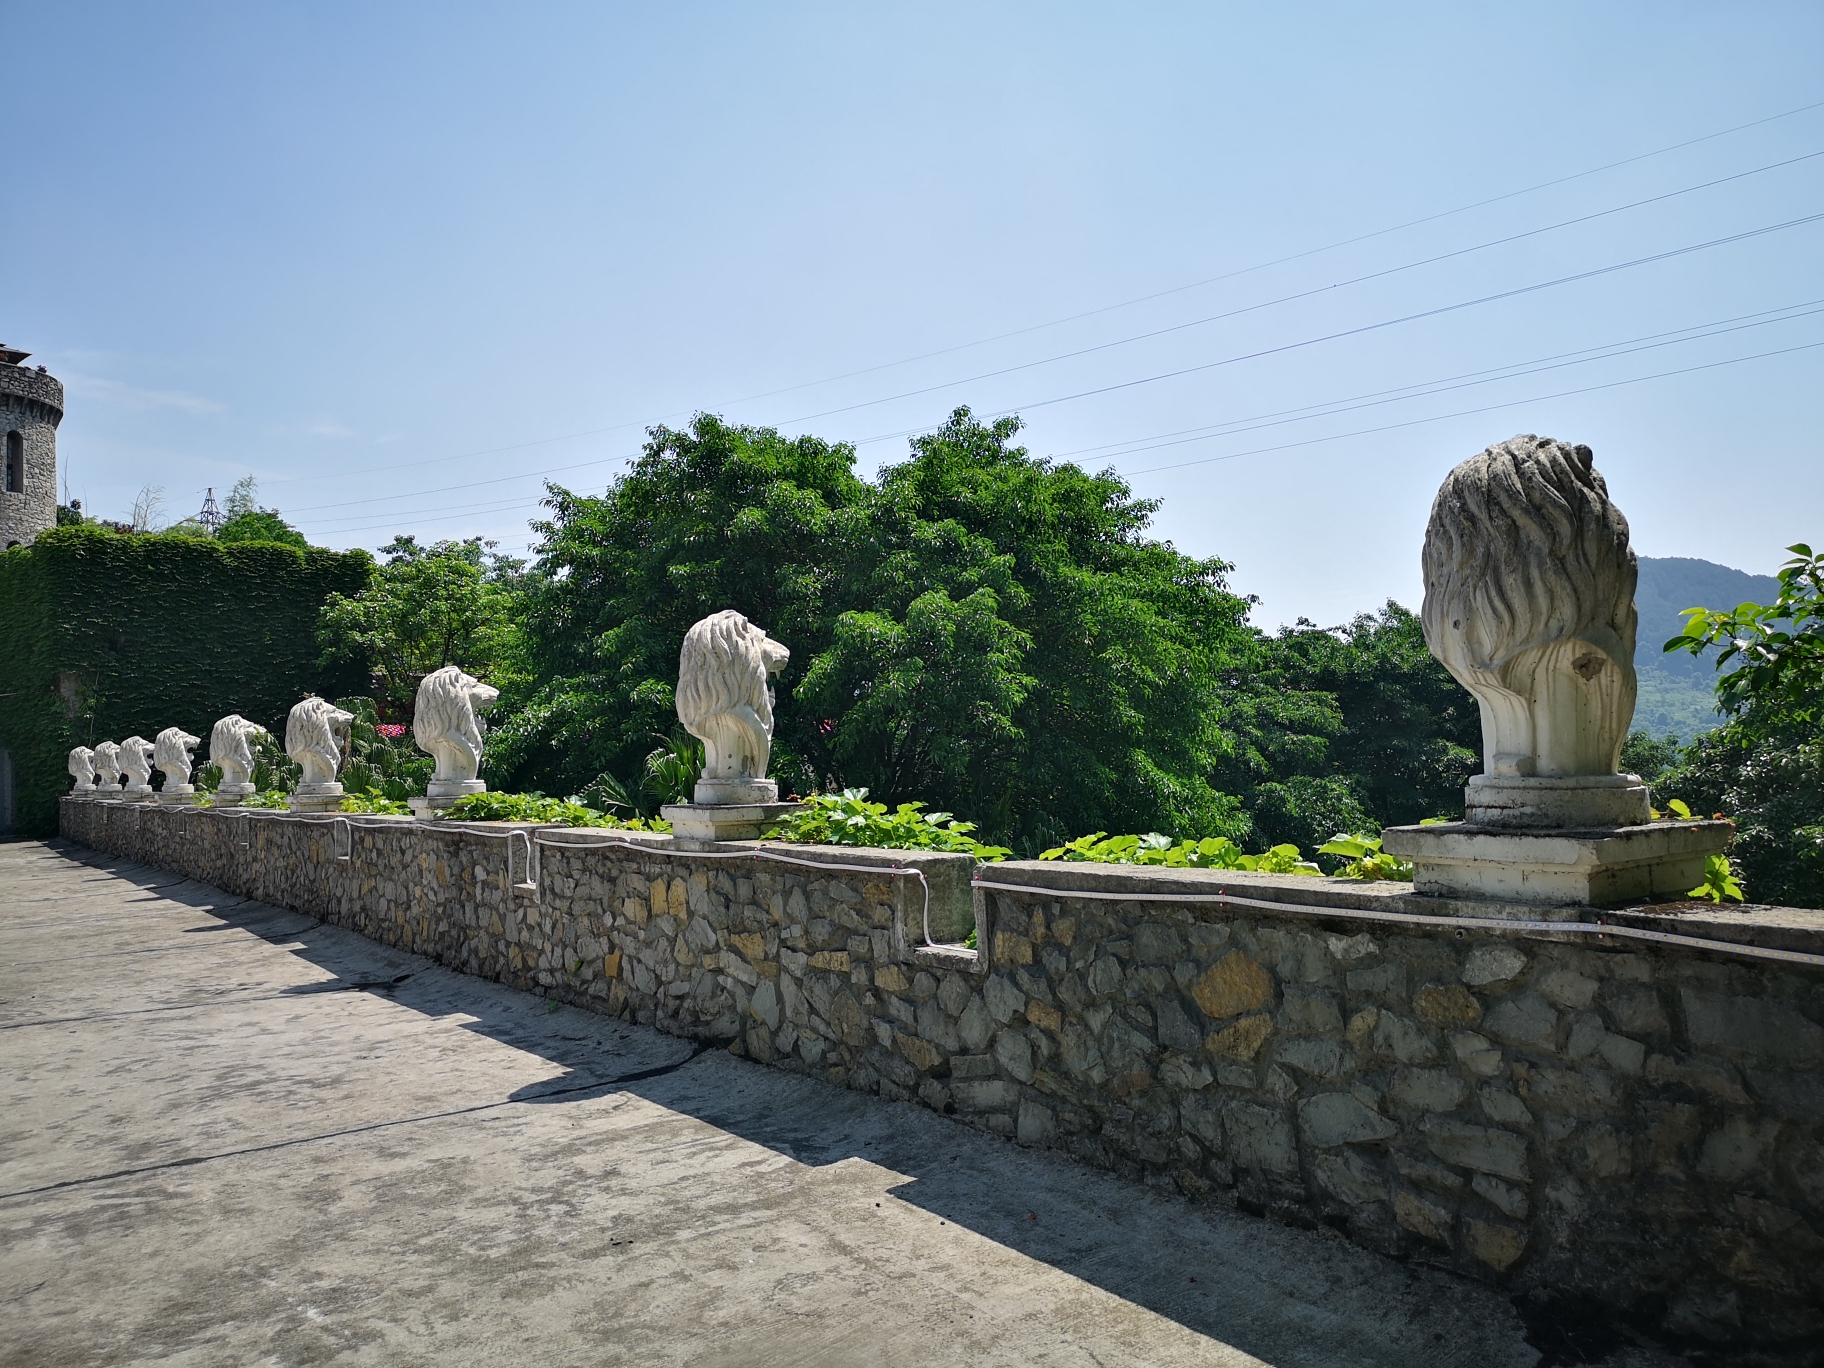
(1233, 985)
(1243, 1040)
(1044, 1016)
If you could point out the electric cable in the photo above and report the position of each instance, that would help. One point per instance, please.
(1106, 308)
(1211, 365)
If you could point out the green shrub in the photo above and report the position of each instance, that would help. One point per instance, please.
(850, 819)
(1212, 852)
(1363, 857)
(377, 804)
(535, 807)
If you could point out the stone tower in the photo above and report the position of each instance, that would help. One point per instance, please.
(31, 407)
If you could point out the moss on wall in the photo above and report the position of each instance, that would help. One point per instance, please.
(103, 636)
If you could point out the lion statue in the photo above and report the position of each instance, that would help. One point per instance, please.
(171, 752)
(107, 769)
(1529, 603)
(313, 735)
(447, 724)
(136, 764)
(82, 770)
(231, 751)
(723, 698)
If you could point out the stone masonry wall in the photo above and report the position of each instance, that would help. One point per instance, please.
(1622, 1123)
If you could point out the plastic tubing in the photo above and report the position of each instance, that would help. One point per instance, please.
(1418, 919)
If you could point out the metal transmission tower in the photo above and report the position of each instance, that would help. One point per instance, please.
(211, 517)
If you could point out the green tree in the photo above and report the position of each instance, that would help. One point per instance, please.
(450, 603)
(978, 629)
(1351, 728)
(261, 525)
(1765, 766)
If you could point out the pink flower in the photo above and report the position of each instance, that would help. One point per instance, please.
(392, 731)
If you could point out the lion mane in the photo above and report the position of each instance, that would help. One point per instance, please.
(171, 753)
(231, 748)
(311, 738)
(1529, 603)
(107, 766)
(723, 698)
(136, 763)
(446, 725)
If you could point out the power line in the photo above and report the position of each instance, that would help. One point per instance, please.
(1208, 365)
(1424, 313)
(1423, 389)
(1464, 413)
(1300, 294)
(1281, 261)
(1091, 313)
(1417, 390)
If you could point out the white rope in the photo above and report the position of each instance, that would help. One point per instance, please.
(1418, 919)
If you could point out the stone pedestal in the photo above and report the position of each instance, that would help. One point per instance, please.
(1600, 867)
(110, 794)
(177, 795)
(138, 793)
(317, 798)
(232, 795)
(734, 792)
(1582, 803)
(723, 821)
(441, 794)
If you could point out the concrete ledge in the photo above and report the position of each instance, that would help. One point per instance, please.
(1600, 867)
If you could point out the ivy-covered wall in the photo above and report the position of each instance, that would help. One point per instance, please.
(103, 636)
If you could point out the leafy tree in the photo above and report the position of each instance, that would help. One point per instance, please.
(1353, 727)
(1765, 766)
(1651, 759)
(450, 603)
(979, 629)
(260, 525)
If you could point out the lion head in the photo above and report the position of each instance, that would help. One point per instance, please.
(723, 698)
(107, 766)
(171, 753)
(136, 763)
(231, 749)
(312, 735)
(1529, 603)
(82, 769)
(446, 723)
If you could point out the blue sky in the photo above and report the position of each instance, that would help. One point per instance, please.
(404, 262)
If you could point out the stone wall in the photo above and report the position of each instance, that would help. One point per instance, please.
(1616, 1123)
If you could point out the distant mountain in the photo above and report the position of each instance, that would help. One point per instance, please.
(1678, 692)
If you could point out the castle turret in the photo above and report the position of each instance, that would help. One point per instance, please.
(31, 407)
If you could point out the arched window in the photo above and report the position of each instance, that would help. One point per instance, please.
(15, 463)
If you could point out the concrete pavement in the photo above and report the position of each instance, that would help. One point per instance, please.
(230, 1134)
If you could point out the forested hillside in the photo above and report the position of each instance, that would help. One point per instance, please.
(1678, 692)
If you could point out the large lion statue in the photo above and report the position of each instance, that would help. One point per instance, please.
(1529, 603)
(312, 738)
(723, 698)
(171, 753)
(447, 724)
(82, 770)
(136, 764)
(231, 750)
(107, 769)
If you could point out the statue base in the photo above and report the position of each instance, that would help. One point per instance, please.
(106, 795)
(734, 792)
(177, 795)
(441, 794)
(723, 821)
(317, 798)
(138, 793)
(231, 795)
(1571, 803)
(1600, 867)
